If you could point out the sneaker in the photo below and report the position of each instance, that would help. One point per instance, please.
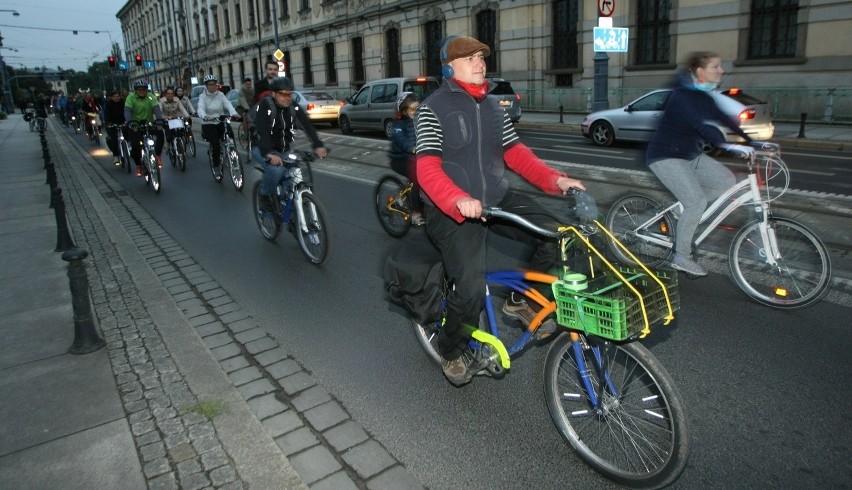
(686, 264)
(417, 219)
(117, 162)
(159, 161)
(139, 170)
(456, 371)
(265, 203)
(516, 306)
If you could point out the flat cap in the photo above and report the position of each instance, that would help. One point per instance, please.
(463, 46)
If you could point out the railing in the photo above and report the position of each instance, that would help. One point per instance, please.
(823, 104)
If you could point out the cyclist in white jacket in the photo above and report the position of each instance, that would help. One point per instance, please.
(211, 104)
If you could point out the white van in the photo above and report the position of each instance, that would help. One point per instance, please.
(373, 108)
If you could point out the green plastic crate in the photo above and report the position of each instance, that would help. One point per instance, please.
(615, 313)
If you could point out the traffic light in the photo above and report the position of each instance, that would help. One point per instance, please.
(111, 61)
(138, 60)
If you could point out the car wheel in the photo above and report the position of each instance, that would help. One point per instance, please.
(389, 128)
(602, 133)
(345, 125)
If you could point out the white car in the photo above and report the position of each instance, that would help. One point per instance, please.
(638, 120)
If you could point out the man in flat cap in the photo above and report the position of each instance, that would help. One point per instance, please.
(465, 140)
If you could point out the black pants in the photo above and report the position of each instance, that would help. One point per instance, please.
(112, 141)
(213, 134)
(463, 251)
(135, 139)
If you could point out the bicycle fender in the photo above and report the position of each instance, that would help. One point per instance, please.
(486, 338)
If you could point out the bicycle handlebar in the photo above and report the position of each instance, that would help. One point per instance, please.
(586, 209)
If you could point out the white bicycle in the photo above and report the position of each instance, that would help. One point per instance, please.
(775, 260)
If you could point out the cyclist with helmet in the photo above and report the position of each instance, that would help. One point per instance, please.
(211, 104)
(142, 107)
(273, 132)
(403, 148)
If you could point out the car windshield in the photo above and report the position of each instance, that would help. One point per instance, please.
(503, 88)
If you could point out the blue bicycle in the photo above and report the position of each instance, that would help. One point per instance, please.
(608, 396)
(296, 206)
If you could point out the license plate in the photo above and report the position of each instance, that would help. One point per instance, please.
(329, 106)
(505, 103)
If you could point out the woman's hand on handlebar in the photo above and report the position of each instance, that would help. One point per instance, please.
(321, 151)
(565, 184)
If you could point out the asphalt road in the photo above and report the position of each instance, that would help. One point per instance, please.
(765, 389)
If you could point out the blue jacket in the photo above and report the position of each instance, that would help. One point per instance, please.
(682, 132)
(403, 139)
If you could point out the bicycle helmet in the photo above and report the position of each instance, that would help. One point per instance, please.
(140, 84)
(210, 78)
(405, 100)
(281, 83)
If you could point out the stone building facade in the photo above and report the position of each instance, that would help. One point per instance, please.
(542, 46)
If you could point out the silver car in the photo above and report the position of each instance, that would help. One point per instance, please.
(374, 106)
(320, 106)
(638, 120)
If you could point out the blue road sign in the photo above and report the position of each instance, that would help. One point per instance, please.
(611, 39)
(148, 64)
(123, 65)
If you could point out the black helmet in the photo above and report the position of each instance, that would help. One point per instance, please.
(281, 83)
(404, 100)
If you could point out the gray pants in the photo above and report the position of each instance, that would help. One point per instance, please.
(695, 183)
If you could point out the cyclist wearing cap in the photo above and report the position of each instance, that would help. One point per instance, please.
(142, 107)
(465, 141)
(273, 132)
(211, 104)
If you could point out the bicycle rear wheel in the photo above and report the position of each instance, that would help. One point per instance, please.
(637, 434)
(393, 208)
(242, 137)
(315, 242)
(190, 144)
(625, 219)
(803, 271)
(235, 167)
(268, 223)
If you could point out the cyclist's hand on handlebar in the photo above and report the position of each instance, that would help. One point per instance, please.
(741, 151)
(321, 152)
(565, 184)
(208, 118)
(470, 207)
(274, 159)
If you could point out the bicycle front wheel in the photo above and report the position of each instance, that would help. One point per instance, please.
(650, 241)
(636, 432)
(236, 167)
(153, 173)
(313, 235)
(242, 137)
(393, 208)
(190, 145)
(801, 275)
(180, 150)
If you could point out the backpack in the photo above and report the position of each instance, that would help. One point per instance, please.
(415, 278)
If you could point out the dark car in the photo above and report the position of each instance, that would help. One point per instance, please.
(638, 120)
(507, 98)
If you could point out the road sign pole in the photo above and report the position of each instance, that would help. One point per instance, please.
(600, 100)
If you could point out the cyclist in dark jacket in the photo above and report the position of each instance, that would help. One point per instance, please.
(403, 148)
(114, 115)
(273, 119)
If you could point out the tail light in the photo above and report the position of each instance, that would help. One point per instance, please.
(517, 96)
(746, 114)
(311, 106)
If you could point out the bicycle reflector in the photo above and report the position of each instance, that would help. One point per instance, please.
(780, 291)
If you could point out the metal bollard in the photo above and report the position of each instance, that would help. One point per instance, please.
(63, 237)
(86, 337)
(561, 114)
(802, 125)
(51, 176)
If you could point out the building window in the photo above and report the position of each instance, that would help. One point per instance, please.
(434, 35)
(288, 67)
(251, 14)
(330, 70)
(238, 15)
(652, 32)
(394, 65)
(255, 69)
(215, 25)
(285, 9)
(486, 32)
(563, 53)
(306, 64)
(304, 5)
(772, 30)
(358, 72)
(227, 23)
(242, 71)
